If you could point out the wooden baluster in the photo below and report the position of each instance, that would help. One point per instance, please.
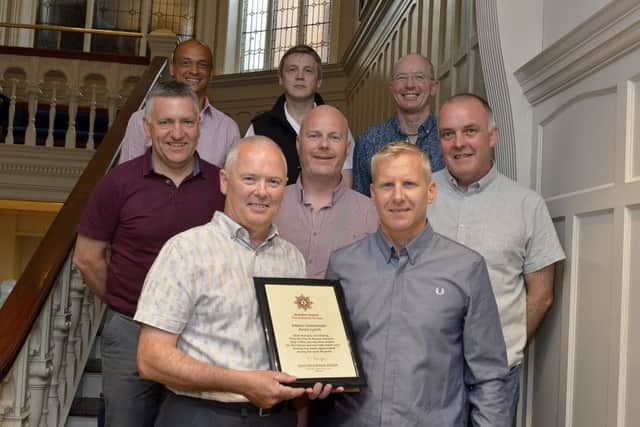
(33, 92)
(112, 100)
(86, 322)
(76, 294)
(14, 393)
(12, 111)
(52, 116)
(61, 325)
(70, 138)
(92, 118)
(40, 364)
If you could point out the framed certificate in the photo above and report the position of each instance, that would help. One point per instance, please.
(308, 332)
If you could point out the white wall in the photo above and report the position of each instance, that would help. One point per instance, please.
(521, 33)
(584, 91)
(562, 16)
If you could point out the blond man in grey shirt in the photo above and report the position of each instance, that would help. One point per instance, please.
(509, 225)
(201, 334)
(423, 314)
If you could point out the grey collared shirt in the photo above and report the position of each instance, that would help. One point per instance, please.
(510, 226)
(427, 329)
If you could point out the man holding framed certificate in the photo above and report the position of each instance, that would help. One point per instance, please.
(423, 313)
(201, 334)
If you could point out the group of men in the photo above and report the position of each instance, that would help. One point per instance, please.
(442, 304)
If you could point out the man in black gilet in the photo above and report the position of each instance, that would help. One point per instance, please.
(299, 75)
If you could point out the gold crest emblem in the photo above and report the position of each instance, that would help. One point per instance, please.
(303, 303)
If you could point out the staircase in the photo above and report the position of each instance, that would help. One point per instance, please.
(87, 409)
(50, 320)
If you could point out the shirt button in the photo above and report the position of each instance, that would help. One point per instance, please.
(168, 182)
(315, 233)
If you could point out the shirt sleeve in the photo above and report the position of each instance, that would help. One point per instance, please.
(435, 152)
(542, 247)
(167, 297)
(485, 354)
(361, 172)
(233, 135)
(135, 141)
(330, 274)
(101, 216)
(232, 138)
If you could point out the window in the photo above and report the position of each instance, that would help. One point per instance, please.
(121, 15)
(270, 27)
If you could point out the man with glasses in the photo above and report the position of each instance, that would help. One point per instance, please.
(412, 87)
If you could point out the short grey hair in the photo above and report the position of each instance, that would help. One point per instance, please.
(491, 121)
(232, 156)
(426, 60)
(170, 89)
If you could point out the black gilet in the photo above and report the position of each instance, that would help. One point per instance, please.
(274, 125)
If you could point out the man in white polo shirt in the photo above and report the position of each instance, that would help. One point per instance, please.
(508, 224)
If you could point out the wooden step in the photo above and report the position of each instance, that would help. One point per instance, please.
(86, 407)
(94, 366)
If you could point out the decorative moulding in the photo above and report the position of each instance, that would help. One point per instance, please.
(40, 173)
(495, 76)
(376, 28)
(612, 32)
(267, 77)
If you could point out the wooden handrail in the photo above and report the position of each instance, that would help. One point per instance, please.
(21, 309)
(74, 54)
(72, 29)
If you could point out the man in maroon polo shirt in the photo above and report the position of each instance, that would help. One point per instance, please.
(133, 211)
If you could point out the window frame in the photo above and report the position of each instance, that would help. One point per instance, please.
(269, 48)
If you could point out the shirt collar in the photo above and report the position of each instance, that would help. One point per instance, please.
(237, 232)
(475, 187)
(207, 109)
(294, 124)
(337, 194)
(427, 126)
(147, 164)
(413, 249)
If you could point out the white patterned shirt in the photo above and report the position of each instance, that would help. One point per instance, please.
(200, 287)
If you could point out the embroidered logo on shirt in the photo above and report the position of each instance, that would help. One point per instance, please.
(303, 303)
(439, 291)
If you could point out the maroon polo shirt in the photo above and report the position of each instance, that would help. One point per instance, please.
(137, 211)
